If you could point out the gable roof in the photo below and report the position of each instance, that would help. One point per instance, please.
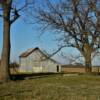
(29, 51)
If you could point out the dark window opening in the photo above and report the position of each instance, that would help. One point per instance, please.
(57, 68)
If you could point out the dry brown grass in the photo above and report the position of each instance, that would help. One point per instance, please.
(53, 87)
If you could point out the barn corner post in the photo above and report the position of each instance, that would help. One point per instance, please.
(5, 57)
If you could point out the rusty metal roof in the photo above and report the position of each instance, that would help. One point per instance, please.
(28, 52)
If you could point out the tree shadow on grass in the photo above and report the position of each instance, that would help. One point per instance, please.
(19, 77)
(30, 76)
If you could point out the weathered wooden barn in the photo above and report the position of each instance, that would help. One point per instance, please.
(34, 60)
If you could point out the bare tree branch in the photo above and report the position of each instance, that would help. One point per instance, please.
(15, 16)
(78, 19)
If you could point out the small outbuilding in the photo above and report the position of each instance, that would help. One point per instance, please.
(34, 60)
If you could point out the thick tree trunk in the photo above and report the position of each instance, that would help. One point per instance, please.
(88, 68)
(5, 58)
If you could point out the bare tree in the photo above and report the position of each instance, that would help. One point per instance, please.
(9, 13)
(77, 20)
(73, 59)
(77, 59)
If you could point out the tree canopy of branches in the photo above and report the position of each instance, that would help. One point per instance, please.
(9, 13)
(78, 20)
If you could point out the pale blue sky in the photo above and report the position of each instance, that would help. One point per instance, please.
(25, 36)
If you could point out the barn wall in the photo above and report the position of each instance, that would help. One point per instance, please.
(31, 63)
(36, 56)
(50, 66)
(35, 63)
(35, 60)
(24, 65)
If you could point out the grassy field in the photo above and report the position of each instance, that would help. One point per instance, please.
(53, 87)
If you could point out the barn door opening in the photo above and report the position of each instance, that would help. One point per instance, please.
(57, 68)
